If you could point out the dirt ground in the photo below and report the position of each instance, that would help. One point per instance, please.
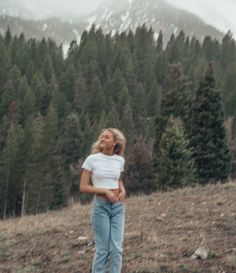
(163, 230)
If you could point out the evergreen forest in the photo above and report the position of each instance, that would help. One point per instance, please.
(175, 104)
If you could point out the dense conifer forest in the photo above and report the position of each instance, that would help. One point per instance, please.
(175, 104)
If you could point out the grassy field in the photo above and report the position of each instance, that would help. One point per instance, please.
(163, 230)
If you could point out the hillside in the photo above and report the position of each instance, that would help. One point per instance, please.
(163, 230)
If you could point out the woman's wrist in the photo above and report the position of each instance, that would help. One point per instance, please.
(123, 192)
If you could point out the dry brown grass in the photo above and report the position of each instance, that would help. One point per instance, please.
(162, 232)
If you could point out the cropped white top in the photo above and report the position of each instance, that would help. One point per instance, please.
(105, 169)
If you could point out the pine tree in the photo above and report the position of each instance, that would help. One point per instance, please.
(116, 85)
(95, 101)
(127, 125)
(7, 97)
(58, 100)
(176, 101)
(211, 49)
(39, 87)
(73, 140)
(140, 106)
(139, 175)
(159, 45)
(8, 37)
(208, 136)
(112, 119)
(4, 67)
(67, 84)
(154, 100)
(176, 163)
(89, 50)
(228, 50)
(24, 156)
(54, 190)
(88, 133)
(35, 169)
(229, 90)
(29, 104)
(80, 94)
(30, 71)
(145, 54)
(9, 161)
(47, 68)
(123, 59)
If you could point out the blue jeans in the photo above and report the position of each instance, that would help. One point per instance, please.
(108, 228)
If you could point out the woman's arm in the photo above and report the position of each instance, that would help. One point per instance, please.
(86, 187)
(122, 193)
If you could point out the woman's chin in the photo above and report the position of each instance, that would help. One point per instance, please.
(101, 146)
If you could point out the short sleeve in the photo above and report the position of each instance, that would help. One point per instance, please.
(122, 167)
(87, 164)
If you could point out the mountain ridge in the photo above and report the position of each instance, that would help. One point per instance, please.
(112, 17)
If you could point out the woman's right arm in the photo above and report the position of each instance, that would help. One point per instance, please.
(86, 187)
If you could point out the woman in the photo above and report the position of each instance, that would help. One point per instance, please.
(104, 166)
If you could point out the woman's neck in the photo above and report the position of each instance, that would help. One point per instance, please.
(107, 152)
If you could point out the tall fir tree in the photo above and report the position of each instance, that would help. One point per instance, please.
(229, 90)
(208, 135)
(5, 66)
(176, 167)
(54, 192)
(35, 169)
(39, 87)
(228, 50)
(67, 83)
(9, 171)
(176, 101)
(95, 101)
(139, 175)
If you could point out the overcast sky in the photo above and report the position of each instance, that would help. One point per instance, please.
(219, 13)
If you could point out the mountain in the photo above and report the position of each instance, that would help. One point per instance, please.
(112, 16)
(124, 15)
(58, 30)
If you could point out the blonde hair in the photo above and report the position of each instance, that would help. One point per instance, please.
(119, 137)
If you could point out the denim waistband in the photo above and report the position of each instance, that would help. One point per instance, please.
(104, 200)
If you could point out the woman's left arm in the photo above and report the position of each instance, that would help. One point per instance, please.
(122, 194)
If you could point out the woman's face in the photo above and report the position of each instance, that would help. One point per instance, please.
(107, 140)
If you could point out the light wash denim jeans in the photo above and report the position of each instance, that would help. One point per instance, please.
(108, 228)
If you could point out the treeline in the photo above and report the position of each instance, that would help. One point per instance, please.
(172, 103)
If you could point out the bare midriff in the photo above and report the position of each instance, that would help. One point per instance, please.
(115, 191)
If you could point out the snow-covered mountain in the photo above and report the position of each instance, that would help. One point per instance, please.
(60, 31)
(112, 16)
(124, 15)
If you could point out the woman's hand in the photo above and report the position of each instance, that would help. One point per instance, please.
(111, 196)
(121, 196)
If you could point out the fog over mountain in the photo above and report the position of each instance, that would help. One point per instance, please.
(219, 13)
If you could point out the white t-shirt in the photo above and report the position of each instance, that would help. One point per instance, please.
(105, 169)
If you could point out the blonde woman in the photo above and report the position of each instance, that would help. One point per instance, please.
(104, 165)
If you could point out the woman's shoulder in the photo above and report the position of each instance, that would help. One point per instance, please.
(101, 155)
(92, 156)
(120, 157)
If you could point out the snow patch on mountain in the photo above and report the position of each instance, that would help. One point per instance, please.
(91, 20)
(45, 26)
(77, 34)
(125, 16)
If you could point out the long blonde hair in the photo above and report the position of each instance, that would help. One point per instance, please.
(119, 137)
